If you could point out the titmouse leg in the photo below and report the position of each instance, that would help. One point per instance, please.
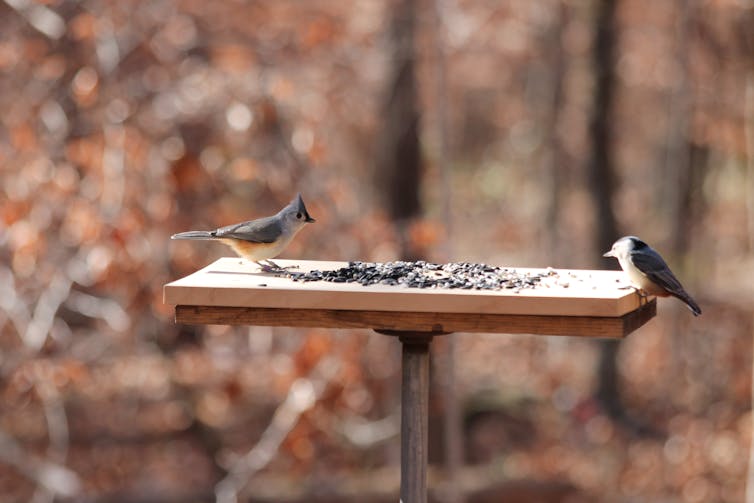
(272, 267)
(280, 268)
(267, 267)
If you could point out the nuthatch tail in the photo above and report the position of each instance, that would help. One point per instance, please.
(260, 239)
(647, 271)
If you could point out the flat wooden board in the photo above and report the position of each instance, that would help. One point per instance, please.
(421, 323)
(236, 283)
(570, 302)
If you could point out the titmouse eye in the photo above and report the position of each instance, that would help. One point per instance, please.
(299, 215)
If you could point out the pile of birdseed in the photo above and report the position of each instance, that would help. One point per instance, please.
(455, 275)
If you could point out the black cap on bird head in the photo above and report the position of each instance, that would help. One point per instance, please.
(298, 203)
(625, 245)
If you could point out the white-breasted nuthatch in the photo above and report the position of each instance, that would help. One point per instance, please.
(260, 239)
(648, 272)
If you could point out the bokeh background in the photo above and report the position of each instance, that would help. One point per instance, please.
(524, 133)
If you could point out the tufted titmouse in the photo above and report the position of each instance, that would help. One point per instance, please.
(647, 271)
(260, 239)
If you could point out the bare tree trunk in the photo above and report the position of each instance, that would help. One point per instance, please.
(602, 183)
(675, 187)
(554, 156)
(749, 130)
(452, 424)
(749, 127)
(750, 471)
(398, 162)
(452, 427)
(677, 184)
(601, 170)
(397, 165)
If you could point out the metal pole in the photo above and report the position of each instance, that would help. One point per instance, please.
(414, 418)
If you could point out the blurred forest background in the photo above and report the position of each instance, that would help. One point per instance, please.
(526, 133)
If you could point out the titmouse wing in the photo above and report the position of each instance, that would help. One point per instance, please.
(263, 230)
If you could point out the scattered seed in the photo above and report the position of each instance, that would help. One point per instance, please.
(421, 274)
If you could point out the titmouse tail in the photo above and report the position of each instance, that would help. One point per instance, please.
(193, 235)
(686, 298)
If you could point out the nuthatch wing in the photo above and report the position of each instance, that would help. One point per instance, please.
(262, 239)
(647, 271)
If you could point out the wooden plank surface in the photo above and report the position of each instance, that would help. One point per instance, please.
(231, 282)
(579, 326)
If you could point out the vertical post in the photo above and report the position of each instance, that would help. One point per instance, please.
(414, 417)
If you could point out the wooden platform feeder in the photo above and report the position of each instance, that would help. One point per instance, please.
(579, 303)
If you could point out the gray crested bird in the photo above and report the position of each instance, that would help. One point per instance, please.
(262, 239)
(648, 272)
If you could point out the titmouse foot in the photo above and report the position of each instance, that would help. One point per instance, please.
(273, 268)
(268, 268)
(279, 267)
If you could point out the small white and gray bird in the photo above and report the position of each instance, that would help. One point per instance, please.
(648, 272)
(262, 239)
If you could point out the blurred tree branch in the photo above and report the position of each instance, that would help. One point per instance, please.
(50, 476)
(302, 396)
(41, 17)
